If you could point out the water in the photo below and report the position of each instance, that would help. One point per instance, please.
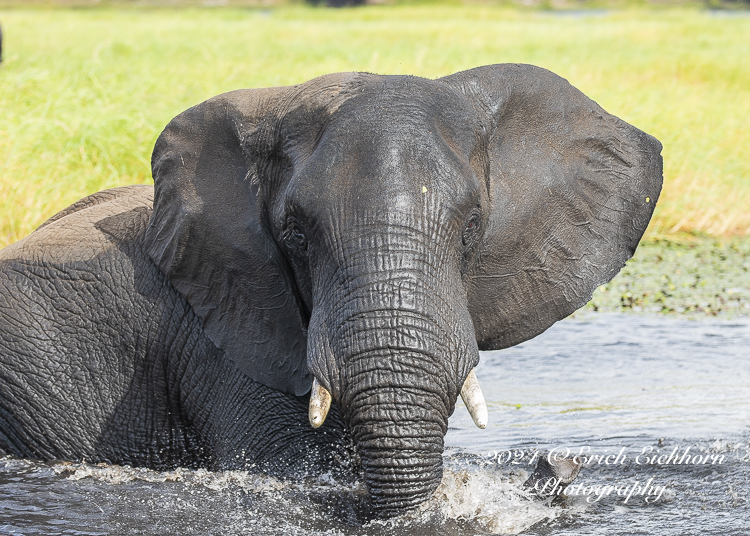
(604, 385)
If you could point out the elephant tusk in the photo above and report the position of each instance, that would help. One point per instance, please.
(320, 403)
(473, 398)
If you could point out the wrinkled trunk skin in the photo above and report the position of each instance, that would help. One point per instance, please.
(394, 354)
(398, 431)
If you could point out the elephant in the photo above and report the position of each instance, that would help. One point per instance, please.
(308, 283)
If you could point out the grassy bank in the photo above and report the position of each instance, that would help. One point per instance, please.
(84, 93)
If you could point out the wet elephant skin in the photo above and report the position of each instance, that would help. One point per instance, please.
(370, 232)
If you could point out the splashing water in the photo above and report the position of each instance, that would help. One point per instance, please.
(643, 387)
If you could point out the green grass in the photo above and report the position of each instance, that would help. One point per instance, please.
(85, 92)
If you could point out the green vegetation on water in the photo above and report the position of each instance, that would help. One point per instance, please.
(698, 277)
(85, 92)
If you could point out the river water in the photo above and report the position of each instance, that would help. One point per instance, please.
(632, 394)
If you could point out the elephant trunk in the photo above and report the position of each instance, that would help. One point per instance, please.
(400, 448)
(395, 375)
(391, 338)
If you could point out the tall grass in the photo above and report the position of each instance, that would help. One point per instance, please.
(84, 93)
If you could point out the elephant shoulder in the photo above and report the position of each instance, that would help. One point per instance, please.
(88, 228)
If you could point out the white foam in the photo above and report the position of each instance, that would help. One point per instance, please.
(213, 480)
(494, 499)
(739, 449)
(489, 497)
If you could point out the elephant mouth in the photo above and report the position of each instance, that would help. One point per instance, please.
(471, 394)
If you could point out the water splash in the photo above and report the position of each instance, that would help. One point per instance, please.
(216, 481)
(494, 499)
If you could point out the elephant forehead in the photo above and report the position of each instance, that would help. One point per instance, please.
(387, 134)
(362, 196)
(385, 163)
(382, 92)
(365, 106)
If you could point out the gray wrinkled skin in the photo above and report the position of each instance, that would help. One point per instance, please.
(372, 231)
(101, 359)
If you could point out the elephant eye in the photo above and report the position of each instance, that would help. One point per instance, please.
(294, 237)
(472, 228)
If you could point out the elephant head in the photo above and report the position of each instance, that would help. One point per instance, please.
(367, 235)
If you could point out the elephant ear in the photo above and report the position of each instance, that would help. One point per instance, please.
(209, 231)
(572, 189)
